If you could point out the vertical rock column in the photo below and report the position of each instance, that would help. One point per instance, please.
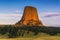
(30, 17)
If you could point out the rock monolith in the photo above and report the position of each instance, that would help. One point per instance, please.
(30, 17)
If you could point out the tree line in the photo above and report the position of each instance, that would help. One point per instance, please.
(16, 31)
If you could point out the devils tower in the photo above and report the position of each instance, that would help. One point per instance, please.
(30, 17)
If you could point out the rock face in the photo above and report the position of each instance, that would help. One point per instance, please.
(30, 17)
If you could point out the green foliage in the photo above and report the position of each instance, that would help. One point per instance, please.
(16, 31)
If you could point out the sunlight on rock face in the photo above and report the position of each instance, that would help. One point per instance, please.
(30, 17)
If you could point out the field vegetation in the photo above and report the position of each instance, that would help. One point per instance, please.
(29, 32)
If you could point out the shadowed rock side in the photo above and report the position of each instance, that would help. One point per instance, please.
(30, 17)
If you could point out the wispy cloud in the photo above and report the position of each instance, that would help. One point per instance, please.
(9, 18)
(18, 11)
(50, 18)
(52, 15)
(9, 15)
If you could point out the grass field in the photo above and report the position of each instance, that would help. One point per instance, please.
(41, 36)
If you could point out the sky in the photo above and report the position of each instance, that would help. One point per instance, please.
(11, 11)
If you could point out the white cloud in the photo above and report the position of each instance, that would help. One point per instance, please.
(9, 18)
(50, 21)
(18, 11)
(9, 15)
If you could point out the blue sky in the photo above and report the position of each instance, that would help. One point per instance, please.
(11, 11)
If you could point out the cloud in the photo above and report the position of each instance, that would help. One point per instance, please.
(9, 15)
(9, 18)
(18, 11)
(50, 18)
(52, 15)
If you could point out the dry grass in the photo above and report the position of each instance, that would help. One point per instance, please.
(38, 38)
(42, 36)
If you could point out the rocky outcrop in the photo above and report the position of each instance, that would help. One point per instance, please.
(30, 17)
